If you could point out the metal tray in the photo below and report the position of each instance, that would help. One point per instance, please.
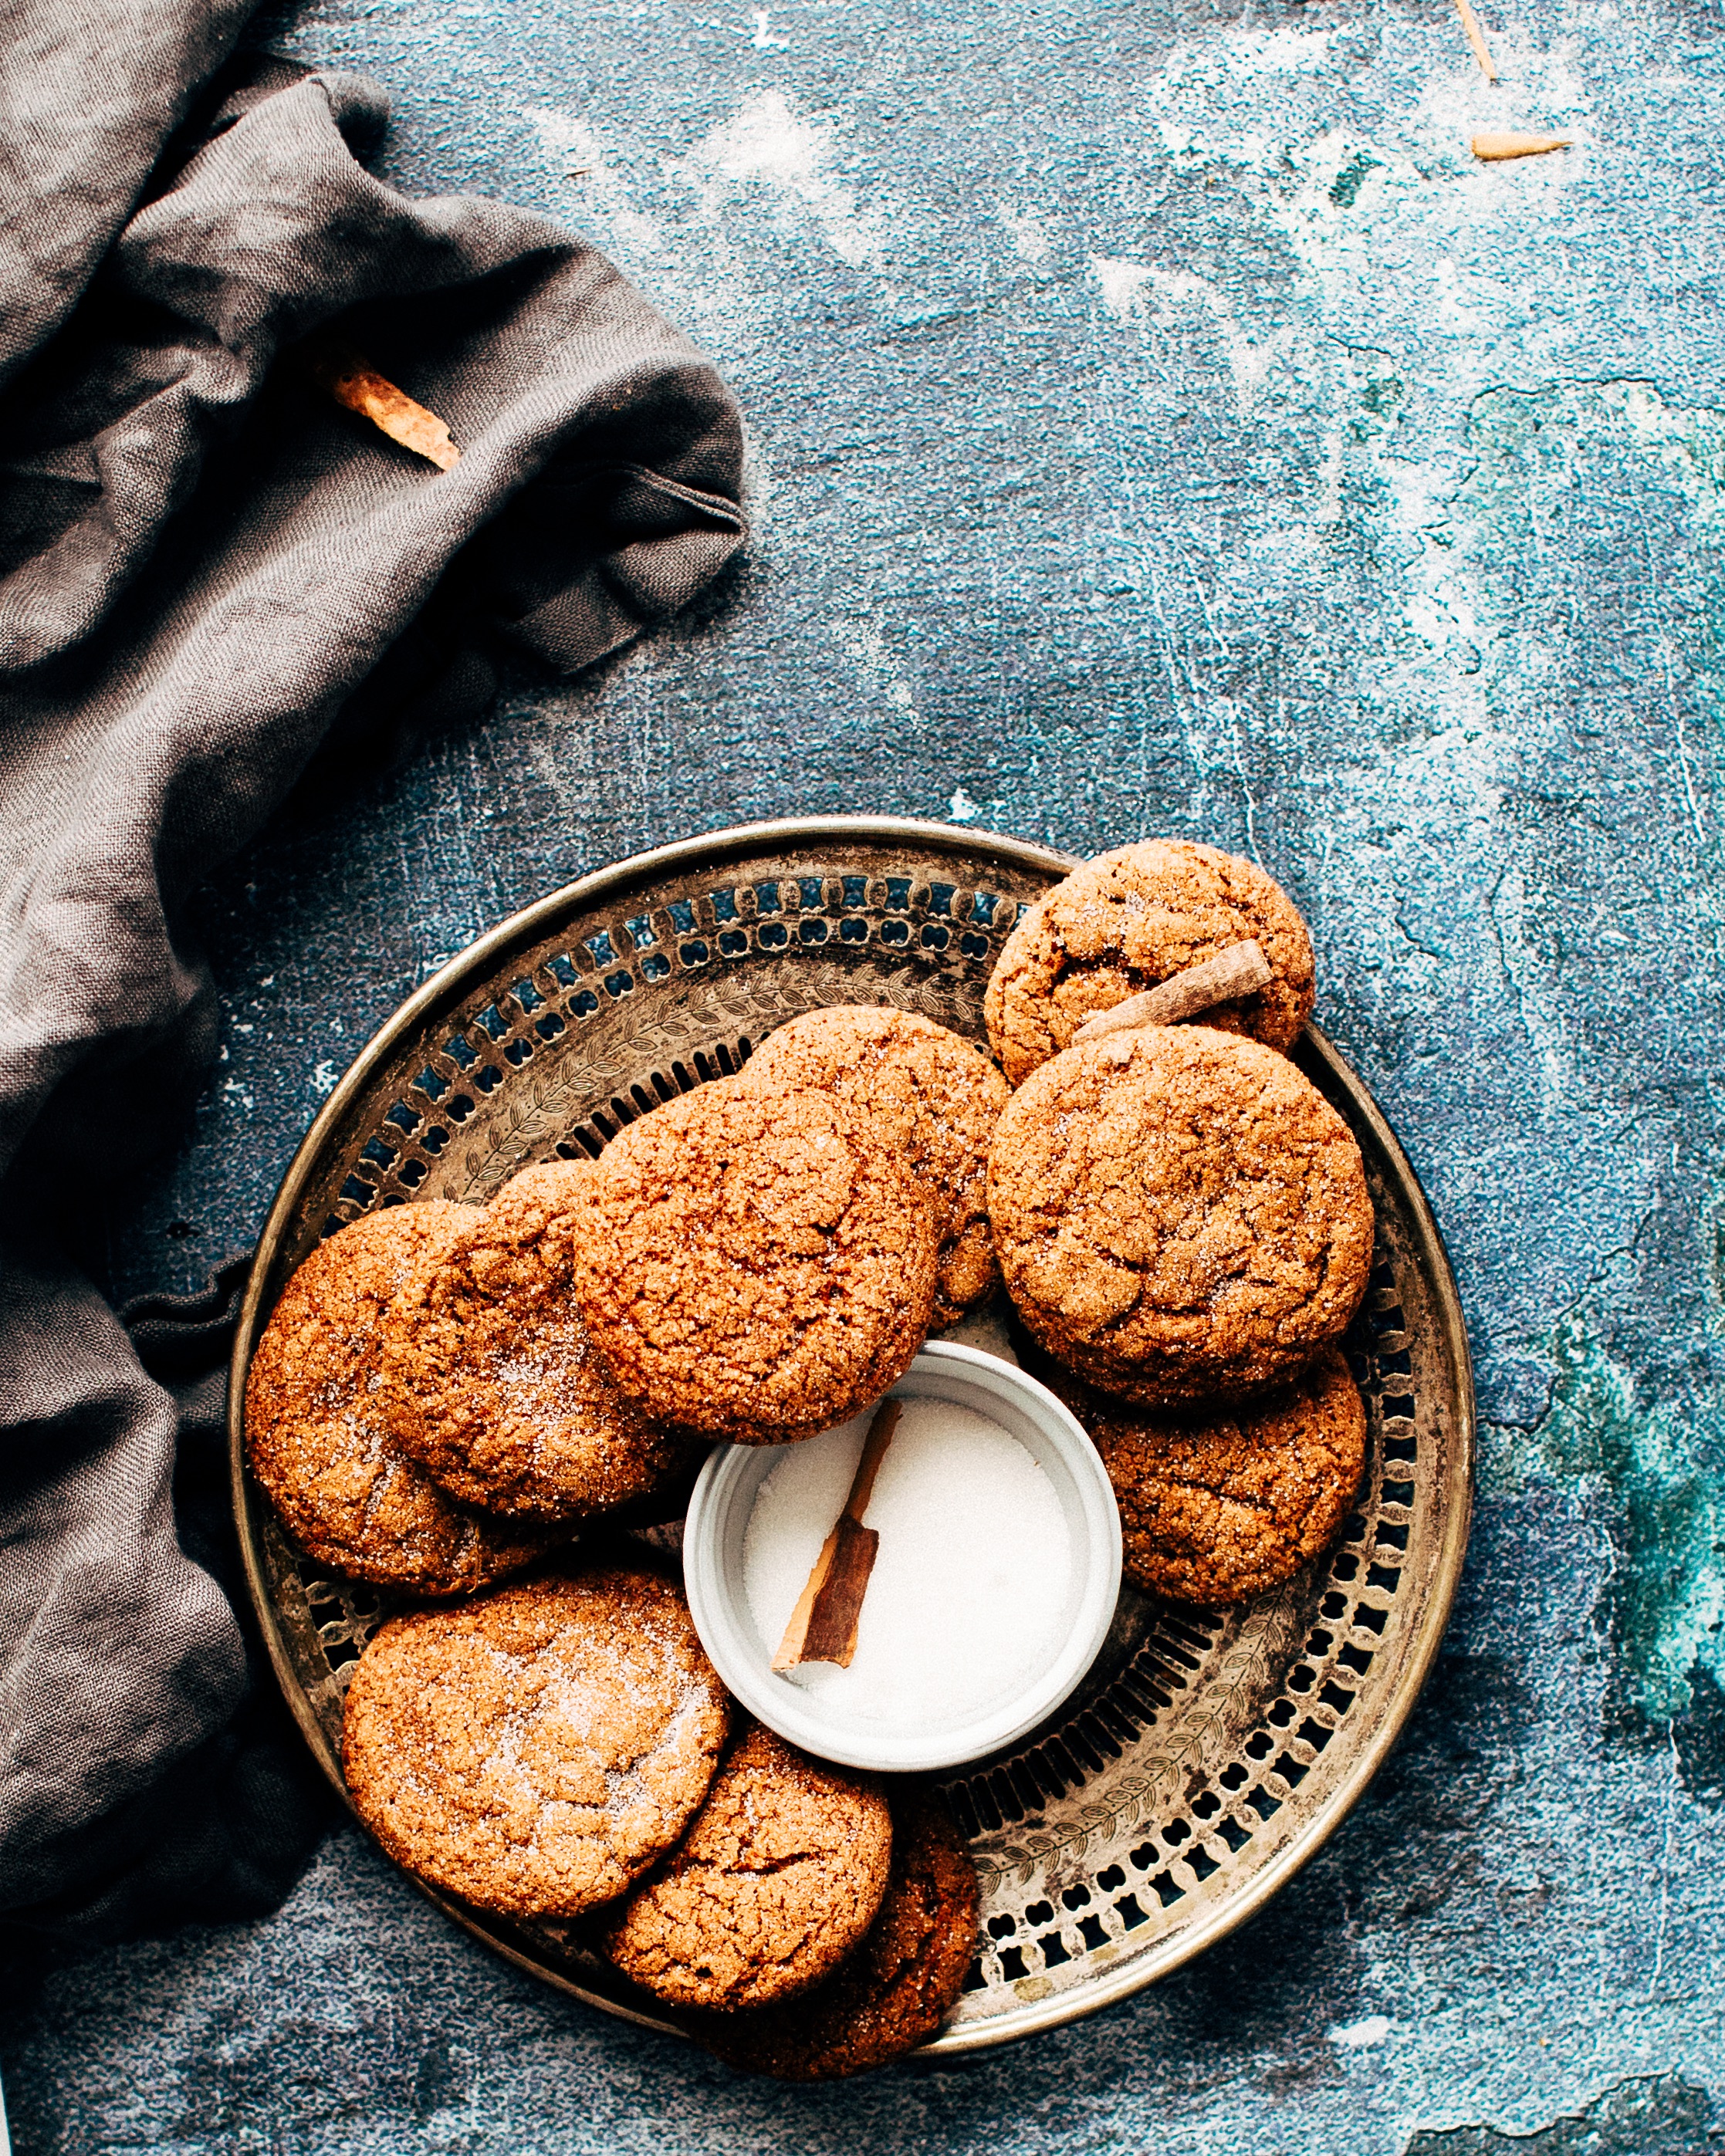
(1208, 1755)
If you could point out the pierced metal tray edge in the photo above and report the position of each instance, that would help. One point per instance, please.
(1334, 1077)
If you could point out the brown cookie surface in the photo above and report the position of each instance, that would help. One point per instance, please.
(1216, 1507)
(1180, 1214)
(316, 1434)
(931, 1095)
(899, 1984)
(491, 1379)
(1127, 921)
(536, 1750)
(779, 1876)
(756, 1266)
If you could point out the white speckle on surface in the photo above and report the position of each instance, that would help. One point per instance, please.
(971, 1581)
(323, 1078)
(1135, 291)
(961, 809)
(1122, 283)
(755, 30)
(578, 155)
(864, 643)
(1355, 2036)
(1132, 290)
(1284, 50)
(767, 141)
(1027, 234)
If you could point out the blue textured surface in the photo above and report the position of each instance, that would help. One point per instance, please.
(1159, 423)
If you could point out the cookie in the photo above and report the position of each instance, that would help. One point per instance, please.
(1179, 1215)
(755, 1266)
(1124, 921)
(1217, 1507)
(315, 1435)
(775, 1882)
(491, 1380)
(930, 1094)
(897, 1987)
(538, 1749)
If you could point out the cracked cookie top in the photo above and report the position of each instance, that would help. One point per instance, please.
(1126, 922)
(491, 1380)
(778, 1879)
(538, 1749)
(929, 1093)
(1214, 1508)
(755, 1264)
(316, 1432)
(1179, 1215)
(897, 1987)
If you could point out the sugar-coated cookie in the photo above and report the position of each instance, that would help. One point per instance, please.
(778, 1877)
(317, 1435)
(1180, 1214)
(490, 1379)
(1127, 921)
(536, 1749)
(755, 1266)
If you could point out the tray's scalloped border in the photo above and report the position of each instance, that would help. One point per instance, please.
(450, 983)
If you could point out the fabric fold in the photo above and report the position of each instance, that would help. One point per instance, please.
(208, 568)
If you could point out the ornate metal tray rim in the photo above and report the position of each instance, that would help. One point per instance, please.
(1106, 1988)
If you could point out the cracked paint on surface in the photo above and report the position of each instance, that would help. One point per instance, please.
(1662, 2115)
(1157, 420)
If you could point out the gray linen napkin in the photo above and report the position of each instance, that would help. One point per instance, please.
(206, 566)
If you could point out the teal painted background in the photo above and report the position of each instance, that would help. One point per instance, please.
(1158, 422)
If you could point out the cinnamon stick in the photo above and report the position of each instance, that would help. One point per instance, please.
(823, 1625)
(1239, 971)
(1476, 38)
(351, 380)
(1492, 147)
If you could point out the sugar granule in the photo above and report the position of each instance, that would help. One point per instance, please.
(967, 1602)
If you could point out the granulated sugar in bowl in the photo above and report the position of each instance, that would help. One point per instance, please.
(993, 1587)
(975, 1558)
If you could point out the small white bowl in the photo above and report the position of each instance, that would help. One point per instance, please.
(713, 1557)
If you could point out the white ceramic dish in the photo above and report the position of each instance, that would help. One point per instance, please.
(712, 1568)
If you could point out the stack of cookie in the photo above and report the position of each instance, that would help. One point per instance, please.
(563, 1748)
(1181, 1218)
(445, 1392)
(426, 1409)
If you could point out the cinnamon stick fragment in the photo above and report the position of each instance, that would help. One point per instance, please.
(1476, 38)
(1240, 970)
(1493, 146)
(822, 1626)
(351, 380)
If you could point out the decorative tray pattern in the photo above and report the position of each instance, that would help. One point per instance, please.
(1209, 1754)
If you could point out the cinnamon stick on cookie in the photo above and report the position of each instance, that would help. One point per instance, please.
(1128, 922)
(1240, 970)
